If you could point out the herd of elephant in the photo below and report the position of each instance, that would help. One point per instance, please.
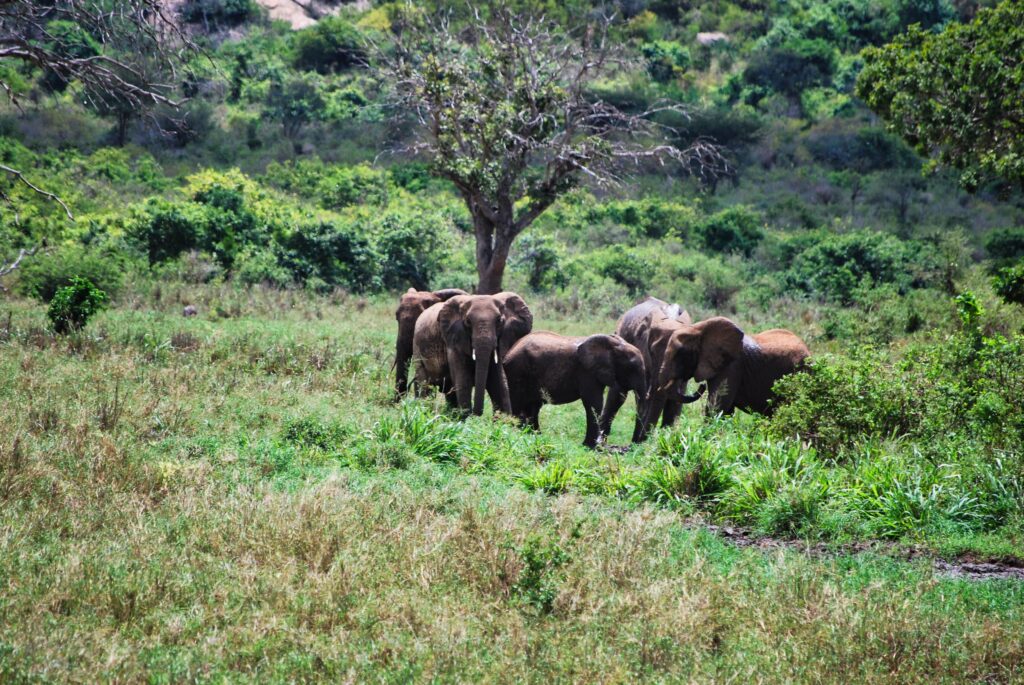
(465, 345)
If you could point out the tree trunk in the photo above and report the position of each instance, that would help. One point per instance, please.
(491, 257)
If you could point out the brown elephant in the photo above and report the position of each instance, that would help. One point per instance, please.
(739, 369)
(648, 326)
(456, 345)
(547, 368)
(413, 303)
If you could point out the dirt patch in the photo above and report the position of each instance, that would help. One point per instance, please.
(967, 566)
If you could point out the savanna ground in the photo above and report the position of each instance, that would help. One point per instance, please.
(235, 496)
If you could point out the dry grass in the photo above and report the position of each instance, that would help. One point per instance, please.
(151, 529)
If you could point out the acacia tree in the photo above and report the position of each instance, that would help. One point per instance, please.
(122, 52)
(957, 95)
(505, 112)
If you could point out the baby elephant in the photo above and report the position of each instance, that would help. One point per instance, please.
(546, 367)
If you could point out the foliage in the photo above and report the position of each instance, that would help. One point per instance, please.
(626, 267)
(74, 304)
(1005, 245)
(1009, 283)
(792, 67)
(43, 275)
(666, 60)
(218, 13)
(836, 266)
(737, 229)
(938, 91)
(331, 44)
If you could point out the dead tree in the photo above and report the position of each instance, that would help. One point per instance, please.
(503, 110)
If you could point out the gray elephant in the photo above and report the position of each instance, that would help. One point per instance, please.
(647, 326)
(740, 369)
(457, 347)
(412, 304)
(547, 368)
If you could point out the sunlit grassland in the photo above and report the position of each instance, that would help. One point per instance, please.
(235, 496)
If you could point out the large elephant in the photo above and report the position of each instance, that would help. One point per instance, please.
(413, 303)
(739, 369)
(456, 346)
(648, 326)
(545, 367)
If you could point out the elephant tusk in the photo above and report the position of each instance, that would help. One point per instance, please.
(495, 356)
(474, 354)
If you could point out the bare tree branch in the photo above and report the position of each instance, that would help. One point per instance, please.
(45, 193)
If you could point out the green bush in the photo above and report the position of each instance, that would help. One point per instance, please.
(219, 13)
(793, 66)
(42, 275)
(1005, 246)
(837, 266)
(865, 150)
(73, 305)
(332, 44)
(666, 60)
(540, 258)
(736, 229)
(259, 265)
(1009, 284)
(409, 247)
(331, 254)
(165, 229)
(342, 186)
(626, 267)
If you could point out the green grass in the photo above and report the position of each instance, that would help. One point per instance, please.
(234, 497)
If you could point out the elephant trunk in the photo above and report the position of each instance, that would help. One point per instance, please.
(482, 357)
(403, 353)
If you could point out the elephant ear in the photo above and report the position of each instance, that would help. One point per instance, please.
(596, 357)
(721, 343)
(448, 293)
(453, 326)
(518, 320)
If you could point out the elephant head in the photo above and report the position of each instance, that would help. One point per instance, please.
(413, 303)
(518, 321)
(700, 351)
(476, 328)
(614, 363)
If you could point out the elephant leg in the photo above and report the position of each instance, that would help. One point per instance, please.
(401, 372)
(534, 416)
(671, 412)
(592, 397)
(616, 397)
(498, 390)
(648, 419)
(721, 395)
(462, 379)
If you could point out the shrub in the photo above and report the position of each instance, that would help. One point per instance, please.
(624, 266)
(868, 149)
(736, 229)
(793, 66)
(332, 44)
(258, 265)
(73, 305)
(837, 265)
(666, 60)
(409, 247)
(332, 254)
(540, 258)
(1009, 284)
(165, 229)
(218, 13)
(43, 275)
(342, 186)
(1005, 245)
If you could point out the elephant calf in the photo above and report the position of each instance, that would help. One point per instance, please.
(545, 367)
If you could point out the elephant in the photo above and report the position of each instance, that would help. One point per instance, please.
(546, 367)
(412, 304)
(646, 326)
(739, 369)
(457, 346)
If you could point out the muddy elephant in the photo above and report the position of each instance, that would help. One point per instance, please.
(547, 368)
(413, 303)
(739, 369)
(457, 346)
(647, 326)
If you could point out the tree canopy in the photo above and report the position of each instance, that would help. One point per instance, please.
(957, 95)
(505, 114)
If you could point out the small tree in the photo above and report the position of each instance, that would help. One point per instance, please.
(504, 112)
